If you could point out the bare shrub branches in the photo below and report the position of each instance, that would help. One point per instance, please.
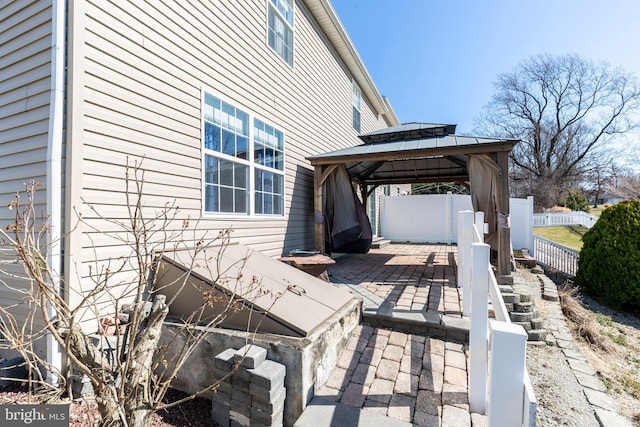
(120, 297)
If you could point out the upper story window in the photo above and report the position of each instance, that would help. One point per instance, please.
(243, 162)
(356, 99)
(280, 28)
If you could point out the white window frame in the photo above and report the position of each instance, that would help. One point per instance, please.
(282, 10)
(356, 103)
(250, 162)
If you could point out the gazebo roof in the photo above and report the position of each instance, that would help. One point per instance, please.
(412, 153)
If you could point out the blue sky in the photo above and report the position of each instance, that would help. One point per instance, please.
(437, 61)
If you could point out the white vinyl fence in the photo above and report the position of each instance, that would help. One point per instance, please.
(433, 218)
(499, 384)
(557, 219)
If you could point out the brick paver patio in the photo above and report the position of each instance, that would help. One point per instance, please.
(416, 379)
(409, 277)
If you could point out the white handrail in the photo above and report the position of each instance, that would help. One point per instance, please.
(499, 308)
(551, 254)
(497, 372)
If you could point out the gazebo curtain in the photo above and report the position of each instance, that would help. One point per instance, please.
(484, 173)
(348, 225)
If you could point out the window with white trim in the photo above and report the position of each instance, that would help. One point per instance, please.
(280, 28)
(243, 162)
(356, 100)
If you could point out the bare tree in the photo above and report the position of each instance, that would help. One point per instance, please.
(625, 185)
(567, 111)
(131, 377)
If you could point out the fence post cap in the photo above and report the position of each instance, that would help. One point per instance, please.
(507, 328)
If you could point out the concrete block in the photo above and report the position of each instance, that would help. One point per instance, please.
(240, 397)
(510, 298)
(224, 388)
(240, 383)
(220, 414)
(81, 386)
(250, 356)
(267, 418)
(13, 370)
(224, 361)
(236, 419)
(523, 307)
(221, 397)
(272, 405)
(525, 325)
(243, 374)
(525, 298)
(518, 316)
(537, 334)
(222, 375)
(268, 375)
(264, 394)
(537, 323)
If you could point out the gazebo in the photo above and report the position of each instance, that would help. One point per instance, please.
(422, 153)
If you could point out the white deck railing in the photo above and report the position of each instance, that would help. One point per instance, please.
(554, 255)
(499, 384)
(557, 219)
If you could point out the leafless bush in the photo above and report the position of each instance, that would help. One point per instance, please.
(120, 296)
(580, 320)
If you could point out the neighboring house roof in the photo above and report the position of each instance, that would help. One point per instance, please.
(328, 20)
(403, 154)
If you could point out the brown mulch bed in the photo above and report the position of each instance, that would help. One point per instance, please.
(193, 413)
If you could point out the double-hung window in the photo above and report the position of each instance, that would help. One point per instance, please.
(356, 101)
(243, 162)
(280, 28)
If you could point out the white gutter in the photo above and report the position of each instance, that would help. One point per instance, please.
(54, 164)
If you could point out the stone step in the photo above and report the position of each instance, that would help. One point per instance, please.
(505, 289)
(550, 295)
(526, 298)
(511, 298)
(537, 323)
(523, 307)
(517, 317)
(536, 334)
(525, 325)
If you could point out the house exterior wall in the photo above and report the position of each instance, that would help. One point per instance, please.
(146, 65)
(25, 88)
(25, 37)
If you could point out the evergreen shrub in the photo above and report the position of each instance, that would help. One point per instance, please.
(609, 263)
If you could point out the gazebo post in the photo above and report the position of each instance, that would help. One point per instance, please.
(503, 227)
(364, 195)
(318, 209)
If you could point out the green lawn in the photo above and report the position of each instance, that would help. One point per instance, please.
(570, 235)
(598, 210)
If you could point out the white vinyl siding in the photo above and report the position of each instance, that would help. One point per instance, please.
(25, 87)
(146, 64)
(25, 84)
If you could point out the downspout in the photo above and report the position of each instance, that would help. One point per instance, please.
(54, 167)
